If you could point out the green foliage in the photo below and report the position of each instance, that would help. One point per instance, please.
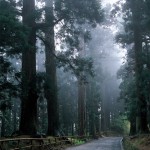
(80, 11)
(8, 86)
(13, 35)
(75, 18)
(78, 142)
(121, 125)
(67, 96)
(135, 73)
(14, 38)
(128, 145)
(7, 124)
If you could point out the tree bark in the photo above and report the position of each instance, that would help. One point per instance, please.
(28, 121)
(133, 122)
(81, 107)
(51, 80)
(141, 102)
(15, 116)
(3, 126)
(81, 94)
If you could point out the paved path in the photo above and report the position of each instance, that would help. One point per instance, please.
(109, 143)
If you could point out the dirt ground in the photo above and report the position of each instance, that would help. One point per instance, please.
(142, 142)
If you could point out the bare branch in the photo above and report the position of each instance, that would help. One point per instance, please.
(46, 25)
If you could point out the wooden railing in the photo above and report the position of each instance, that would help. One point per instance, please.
(39, 143)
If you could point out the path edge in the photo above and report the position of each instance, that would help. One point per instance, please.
(121, 144)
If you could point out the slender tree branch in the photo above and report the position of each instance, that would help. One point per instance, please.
(46, 25)
(66, 61)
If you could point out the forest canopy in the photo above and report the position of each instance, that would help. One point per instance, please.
(59, 65)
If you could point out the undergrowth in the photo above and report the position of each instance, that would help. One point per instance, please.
(128, 145)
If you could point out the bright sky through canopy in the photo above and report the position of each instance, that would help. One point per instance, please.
(110, 1)
(104, 2)
(120, 53)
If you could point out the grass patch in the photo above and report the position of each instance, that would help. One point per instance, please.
(78, 141)
(138, 142)
(128, 145)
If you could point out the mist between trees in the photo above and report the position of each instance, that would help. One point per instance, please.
(74, 67)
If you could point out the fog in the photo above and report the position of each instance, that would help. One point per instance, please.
(97, 92)
(107, 58)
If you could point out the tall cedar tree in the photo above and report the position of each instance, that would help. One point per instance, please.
(135, 19)
(142, 104)
(126, 94)
(29, 96)
(68, 12)
(51, 81)
(13, 36)
(81, 93)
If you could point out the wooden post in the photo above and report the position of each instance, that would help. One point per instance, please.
(31, 144)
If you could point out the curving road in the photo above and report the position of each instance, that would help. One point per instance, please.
(108, 143)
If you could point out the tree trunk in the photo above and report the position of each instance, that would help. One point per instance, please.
(141, 102)
(51, 80)
(81, 107)
(133, 125)
(81, 94)
(3, 126)
(92, 124)
(28, 121)
(93, 119)
(106, 97)
(148, 67)
(15, 116)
